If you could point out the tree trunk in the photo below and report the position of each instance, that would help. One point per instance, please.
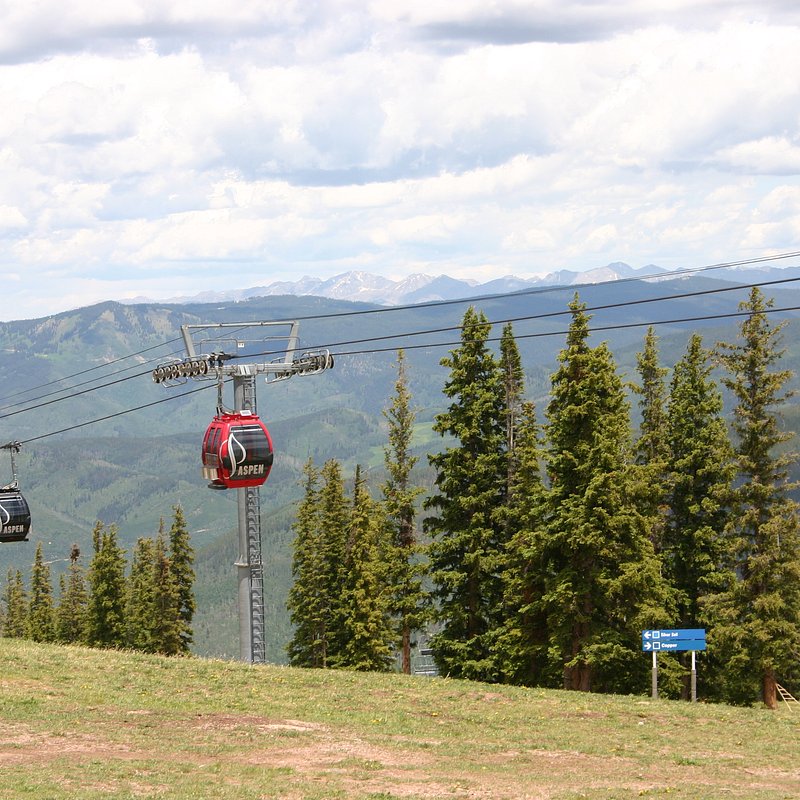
(406, 649)
(768, 689)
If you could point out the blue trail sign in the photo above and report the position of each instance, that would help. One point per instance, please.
(673, 640)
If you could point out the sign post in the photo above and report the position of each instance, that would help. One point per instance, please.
(680, 639)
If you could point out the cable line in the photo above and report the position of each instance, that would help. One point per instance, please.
(429, 331)
(89, 369)
(598, 329)
(402, 335)
(544, 315)
(434, 304)
(118, 414)
(536, 290)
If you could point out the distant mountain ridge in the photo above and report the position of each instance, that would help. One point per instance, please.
(359, 286)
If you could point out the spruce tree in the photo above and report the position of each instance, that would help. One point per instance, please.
(15, 601)
(694, 547)
(522, 645)
(306, 601)
(41, 625)
(73, 602)
(140, 598)
(181, 560)
(168, 623)
(513, 381)
(318, 566)
(406, 596)
(601, 577)
(364, 621)
(106, 611)
(651, 449)
(334, 520)
(758, 618)
(467, 551)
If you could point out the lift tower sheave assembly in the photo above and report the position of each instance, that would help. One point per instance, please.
(281, 339)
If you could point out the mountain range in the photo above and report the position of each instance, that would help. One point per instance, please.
(124, 450)
(359, 286)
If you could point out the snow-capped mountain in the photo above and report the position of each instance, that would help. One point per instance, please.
(418, 288)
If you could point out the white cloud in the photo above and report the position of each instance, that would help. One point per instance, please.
(154, 146)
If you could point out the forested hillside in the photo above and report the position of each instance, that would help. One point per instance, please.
(130, 469)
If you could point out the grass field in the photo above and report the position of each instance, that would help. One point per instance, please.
(77, 723)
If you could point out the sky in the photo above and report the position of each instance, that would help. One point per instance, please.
(156, 149)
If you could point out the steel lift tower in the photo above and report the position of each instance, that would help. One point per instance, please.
(279, 337)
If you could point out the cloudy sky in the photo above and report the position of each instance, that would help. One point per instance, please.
(163, 148)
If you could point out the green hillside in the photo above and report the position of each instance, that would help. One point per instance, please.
(86, 724)
(132, 468)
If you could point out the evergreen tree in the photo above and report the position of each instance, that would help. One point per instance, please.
(72, 607)
(468, 538)
(334, 520)
(652, 450)
(181, 560)
(168, 623)
(106, 611)
(15, 600)
(513, 381)
(41, 626)
(365, 624)
(601, 577)
(698, 493)
(403, 556)
(758, 617)
(318, 567)
(306, 596)
(140, 598)
(522, 645)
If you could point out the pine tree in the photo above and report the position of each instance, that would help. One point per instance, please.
(140, 598)
(106, 611)
(406, 602)
(168, 623)
(334, 520)
(652, 450)
(598, 567)
(181, 559)
(72, 607)
(15, 600)
(694, 548)
(513, 380)
(468, 538)
(318, 568)
(522, 645)
(40, 624)
(306, 596)
(758, 630)
(363, 611)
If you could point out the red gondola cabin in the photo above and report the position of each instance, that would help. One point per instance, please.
(237, 451)
(15, 516)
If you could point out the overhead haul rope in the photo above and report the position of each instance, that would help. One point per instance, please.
(536, 290)
(666, 275)
(620, 326)
(545, 315)
(430, 331)
(116, 414)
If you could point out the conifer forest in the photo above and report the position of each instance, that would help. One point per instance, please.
(552, 537)
(532, 544)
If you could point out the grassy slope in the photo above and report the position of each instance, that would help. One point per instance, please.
(76, 723)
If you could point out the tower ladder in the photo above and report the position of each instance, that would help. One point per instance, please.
(786, 696)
